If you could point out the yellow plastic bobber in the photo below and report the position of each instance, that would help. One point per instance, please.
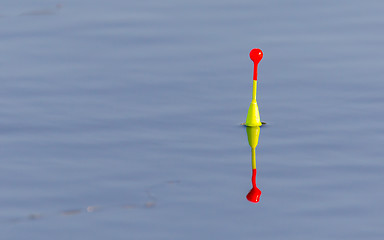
(253, 117)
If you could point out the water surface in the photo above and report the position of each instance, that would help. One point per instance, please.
(122, 119)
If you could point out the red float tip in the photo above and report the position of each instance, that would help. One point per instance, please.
(256, 56)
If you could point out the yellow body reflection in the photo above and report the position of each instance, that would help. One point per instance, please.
(253, 139)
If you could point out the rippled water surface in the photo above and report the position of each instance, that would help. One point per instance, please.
(121, 119)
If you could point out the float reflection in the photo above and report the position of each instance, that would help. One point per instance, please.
(253, 139)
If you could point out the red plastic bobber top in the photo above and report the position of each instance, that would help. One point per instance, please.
(256, 56)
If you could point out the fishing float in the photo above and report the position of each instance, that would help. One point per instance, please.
(253, 116)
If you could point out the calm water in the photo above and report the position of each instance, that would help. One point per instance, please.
(121, 119)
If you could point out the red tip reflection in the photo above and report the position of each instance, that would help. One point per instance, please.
(254, 194)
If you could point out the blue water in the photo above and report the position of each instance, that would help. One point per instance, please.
(121, 119)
